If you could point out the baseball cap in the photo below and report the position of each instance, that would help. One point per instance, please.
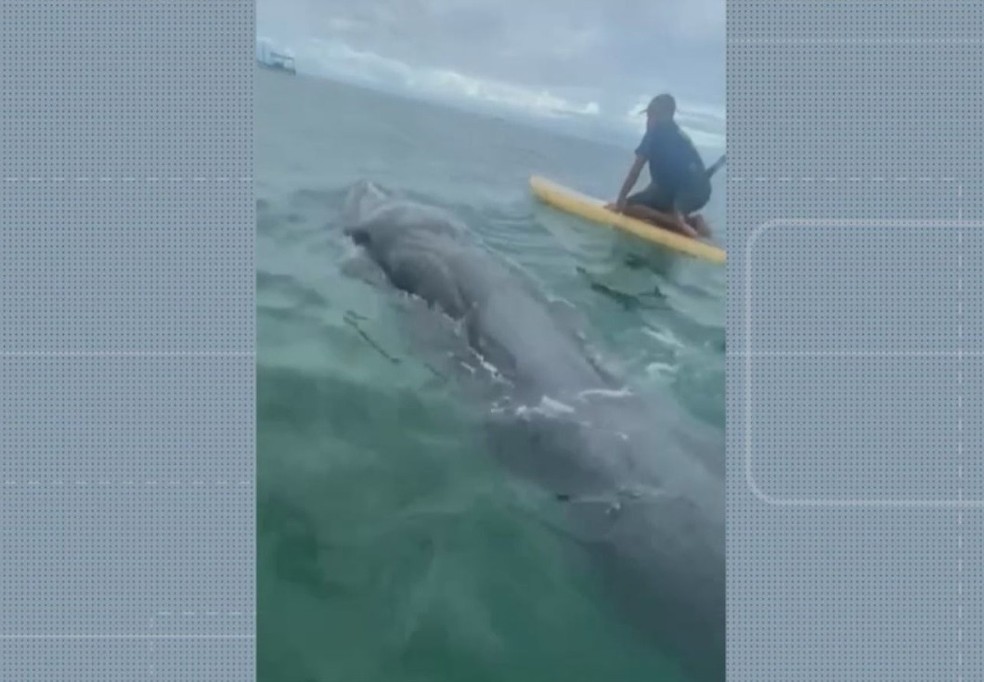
(662, 101)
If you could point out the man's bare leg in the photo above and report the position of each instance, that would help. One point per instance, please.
(665, 220)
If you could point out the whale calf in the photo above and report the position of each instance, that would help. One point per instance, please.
(646, 506)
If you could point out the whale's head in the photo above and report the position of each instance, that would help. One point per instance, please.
(362, 199)
(381, 223)
(414, 245)
(371, 218)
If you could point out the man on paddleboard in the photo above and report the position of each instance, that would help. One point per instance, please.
(680, 184)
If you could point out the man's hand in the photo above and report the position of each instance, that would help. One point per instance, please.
(630, 181)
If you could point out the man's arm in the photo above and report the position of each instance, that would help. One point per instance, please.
(630, 180)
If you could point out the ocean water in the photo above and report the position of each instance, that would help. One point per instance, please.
(391, 546)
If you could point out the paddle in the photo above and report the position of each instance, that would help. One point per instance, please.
(717, 165)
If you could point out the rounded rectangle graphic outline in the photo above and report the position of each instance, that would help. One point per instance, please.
(757, 232)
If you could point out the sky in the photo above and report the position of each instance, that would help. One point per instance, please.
(592, 62)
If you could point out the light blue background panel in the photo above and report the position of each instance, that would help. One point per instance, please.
(126, 341)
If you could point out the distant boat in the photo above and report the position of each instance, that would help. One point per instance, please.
(278, 62)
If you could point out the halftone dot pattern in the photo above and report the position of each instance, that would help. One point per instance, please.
(972, 407)
(780, 22)
(855, 492)
(865, 431)
(127, 267)
(849, 305)
(146, 89)
(126, 493)
(156, 424)
(844, 595)
(127, 351)
(134, 658)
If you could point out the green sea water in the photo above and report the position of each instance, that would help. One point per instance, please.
(391, 546)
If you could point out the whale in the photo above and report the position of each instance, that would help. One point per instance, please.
(643, 498)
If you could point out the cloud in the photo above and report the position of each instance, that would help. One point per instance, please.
(540, 102)
(577, 58)
(544, 43)
(338, 60)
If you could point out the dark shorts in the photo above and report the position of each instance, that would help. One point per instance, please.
(689, 198)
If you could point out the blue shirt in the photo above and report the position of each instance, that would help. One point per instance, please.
(673, 159)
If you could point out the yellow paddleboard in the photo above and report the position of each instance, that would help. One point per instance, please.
(592, 209)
